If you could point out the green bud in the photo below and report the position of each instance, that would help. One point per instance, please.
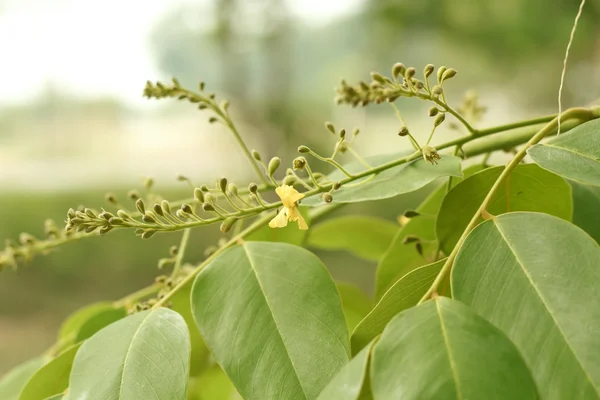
(428, 70)
(449, 73)
(133, 195)
(411, 214)
(233, 189)
(202, 106)
(433, 111)
(123, 214)
(437, 90)
(104, 230)
(148, 219)
(110, 198)
(327, 197)
(440, 72)
(256, 155)
(71, 213)
(148, 183)
(182, 178)
(410, 72)
(337, 185)
(89, 213)
(289, 180)
(166, 207)
(273, 165)
(439, 119)
(299, 163)
(148, 234)
(198, 195)
(180, 214)
(139, 204)
(343, 133)
(212, 120)
(252, 188)
(377, 77)
(225, 105)
(90, 229)
(403, 131)
(206, 207)
(222, 184)
(330, 127)
(303, 149)
(209, 198)
(418, 84)
(201, 86)
(116, 221)
(173, 251)
(26, 239)
(204, 188)
(227, 224)
(355, 132)
(398, 70)
(186, 208)
(158, 210)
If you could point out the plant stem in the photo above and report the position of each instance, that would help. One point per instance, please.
(181, 251)
(580, 113)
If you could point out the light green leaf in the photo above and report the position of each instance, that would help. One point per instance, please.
(536, 277)
(574, 155)
(348, 382)
(355, 303)
(366, 237)
(401, 258)
(212, 384)
(443, 350)
(52, 378)
(181, 304)
(272, 317)
(586, 204)
(99, 320)
(56, 397)
(392, 182)
(403, 294)
(289, 234)
(143, 356)
(72, 325)
(15, 380)
(529, 188)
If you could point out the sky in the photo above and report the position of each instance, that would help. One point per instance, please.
(97, 47)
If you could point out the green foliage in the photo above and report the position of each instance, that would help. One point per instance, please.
(534, 276)
(355, 303)
(366, 237)
(443, 350)
(12, 384)
(586, 203)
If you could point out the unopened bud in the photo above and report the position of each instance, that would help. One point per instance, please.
(204, 188)
(208, 198)
(303, 149)
(449, 73)
(398, 70)
(289, 180)
(116, 221)
(173, 251)
(233, 189)
(225, 105)
(166, 207)
(299, 163)
(133, 195)
(158, 209)
(440, 72)
(139, 204)
(327, 197)
(222, 184)
(148, 234)
(148, 219)
(252, 188)
(342, 133)
(110, 198)
(148, 183)
(410, 72)
(182, 178)
(337, 185)
(186, 208)
(199, 195)
(212, 120)
(330, 127)
(273, 165)
(437, 90)
(428, 70)
(256, 155)
(439, 119)
(403, 131)
(377, 77)
(433, 111)
(206, 207)
(227, 224)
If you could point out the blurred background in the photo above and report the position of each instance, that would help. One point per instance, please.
(74, 125)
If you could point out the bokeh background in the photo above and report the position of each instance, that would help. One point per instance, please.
(74, 125)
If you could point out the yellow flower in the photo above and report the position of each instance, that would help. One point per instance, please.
(289, 197)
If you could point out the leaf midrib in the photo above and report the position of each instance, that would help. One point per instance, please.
(453, 367)
(537, 291)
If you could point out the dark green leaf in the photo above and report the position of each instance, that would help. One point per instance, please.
(289, 234)
(348, 382)
(72, 325)
(586, 204)
(536, 277)
(15, 380)
(52, 378)
(574, 154)
(529, 188)
(272, 317)
(367, 237)
(392, 182)
(443, 350)
(355, 303)
(403, 294)
(143, 356)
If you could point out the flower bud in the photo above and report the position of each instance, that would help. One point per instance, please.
(222, 184)
(199, 195)
(342, 133)
(148, 234)
(148, 219)
(256, 155)
(433, 111)
(303, 149)
(206, 207)
(204, 188)
(337, 185)
(403, 131)
(110, 198)
(166, 207)
(449, 73)
(437, 90)
(139, 204)
(428, 70)
(289, 180)
(299, 163)
(133, 195)
(252, 188)
(439, 119)
(186, 208)
(398, 70)
(273, 165)
(377, 77)
(227, 224)
(212, 120)
(158, 210)
(440, 72)
(327, 197)
(410, 72)
(233, 189)
(330, 127)
(208, 198)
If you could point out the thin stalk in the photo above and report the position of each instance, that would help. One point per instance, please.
(181, 251)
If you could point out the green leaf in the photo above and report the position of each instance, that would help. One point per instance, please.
(366, 237)
(99, 320)
(392, 182)
(401, 258)
(212, 384)
(289, 234)
(355, 303)
(199, 354)
(405, 293)
(272, 318)
(574, 155)
(529, 188)
(536, 278)
(15, 380)
(56, 397)
(143, 356)
(72, 325)
(443, 350)
(349, 381)
(52, 378)
(586, 203)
